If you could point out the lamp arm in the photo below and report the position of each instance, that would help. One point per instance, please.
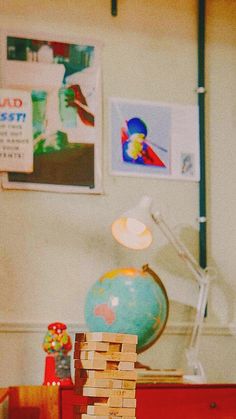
(181, 249)
(202, 278)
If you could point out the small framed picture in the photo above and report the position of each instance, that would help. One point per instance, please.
(154, 139)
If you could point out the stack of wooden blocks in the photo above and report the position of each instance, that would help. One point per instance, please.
(105, 376)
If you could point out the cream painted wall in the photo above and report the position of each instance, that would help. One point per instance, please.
(53, 247)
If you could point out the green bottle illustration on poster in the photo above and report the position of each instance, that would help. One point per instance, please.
(39, 102)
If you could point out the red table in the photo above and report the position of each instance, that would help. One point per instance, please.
(167, 401)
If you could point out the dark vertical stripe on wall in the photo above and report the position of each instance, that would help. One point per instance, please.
(114, 7)
(201, 104)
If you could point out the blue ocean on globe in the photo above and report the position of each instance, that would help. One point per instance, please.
(128, 300)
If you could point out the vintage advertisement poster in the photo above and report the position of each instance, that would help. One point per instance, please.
(16, 138)
(63, 78)
(154, 139)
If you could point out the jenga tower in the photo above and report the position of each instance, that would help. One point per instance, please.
(105, 376)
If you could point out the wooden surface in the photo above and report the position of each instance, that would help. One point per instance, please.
(185, 401)
(166, 401)
(3, 394)
(35, 401)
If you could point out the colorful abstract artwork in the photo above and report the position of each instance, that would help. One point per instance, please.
(154, 139)
(135, 144)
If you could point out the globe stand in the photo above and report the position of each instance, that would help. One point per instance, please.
(140, 366)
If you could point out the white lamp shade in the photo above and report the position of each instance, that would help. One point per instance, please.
(132, 229)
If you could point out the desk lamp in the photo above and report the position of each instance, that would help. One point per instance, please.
(133, 230)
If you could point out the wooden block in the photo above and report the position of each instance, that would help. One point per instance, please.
(104, 349)
(160, 376)
(100, 383)
(115, 402)
(128, 402)
(120, 375)
(102, 417)
(120, 365)
(106, 337)
(161, 372)
(116, 383)
(107, 392)
(80, 373)
(126, 366)
(80, 337)
(114, 347)
(155, 380)
(86, 416)
(92, 346)
(129, 384)
(128, 347)
(96, 364)
(115, 411)
(112, 365)
(102, 364)
(89, 416)
(77, 354)
(110, 356)
(94, 417)
(81, 354)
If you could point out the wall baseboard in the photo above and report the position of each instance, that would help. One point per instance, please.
(173, 328)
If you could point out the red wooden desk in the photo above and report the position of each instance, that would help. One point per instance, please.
(168, 401)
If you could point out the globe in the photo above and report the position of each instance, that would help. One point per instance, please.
(128, 300)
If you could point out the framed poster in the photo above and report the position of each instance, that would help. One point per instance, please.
(154, 139)
(63, 77)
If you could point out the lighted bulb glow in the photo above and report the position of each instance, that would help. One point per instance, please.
(131, 233)
(134, 226)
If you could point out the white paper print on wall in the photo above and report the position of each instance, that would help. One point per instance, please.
(16, 134)
(154, 139)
